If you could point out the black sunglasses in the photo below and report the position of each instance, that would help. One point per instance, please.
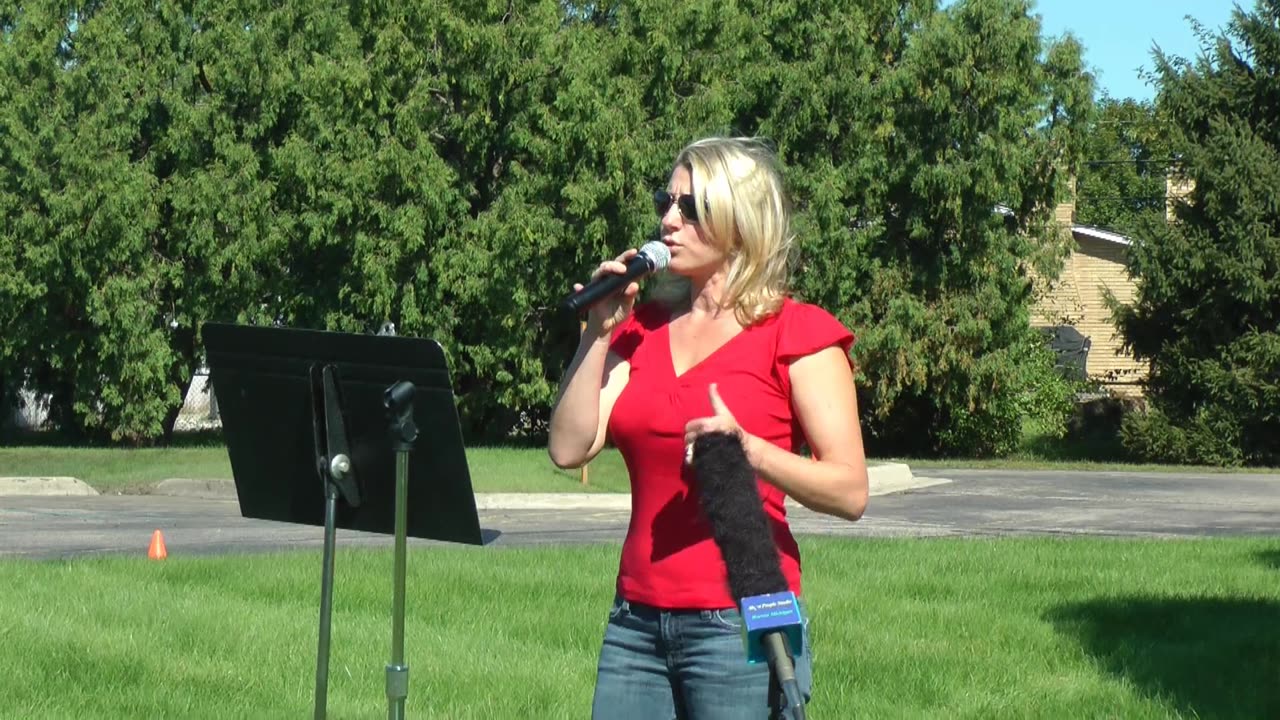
(688, 206)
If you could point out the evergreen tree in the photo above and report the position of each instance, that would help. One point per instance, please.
(954, 114)
(1207, 311)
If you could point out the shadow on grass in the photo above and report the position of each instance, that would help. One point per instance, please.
(1090, 445)
(1210, 657)
(1270, 558)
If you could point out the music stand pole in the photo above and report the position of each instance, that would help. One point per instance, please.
(326, 603)
(398, 400)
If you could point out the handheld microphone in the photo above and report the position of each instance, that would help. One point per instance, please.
(653, 256)
(772, 625)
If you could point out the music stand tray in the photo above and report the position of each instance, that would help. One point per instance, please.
(319, 428)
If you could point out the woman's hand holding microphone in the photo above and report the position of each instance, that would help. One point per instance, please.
(611, 292)
(607, 314)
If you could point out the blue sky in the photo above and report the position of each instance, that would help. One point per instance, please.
(1118, 35)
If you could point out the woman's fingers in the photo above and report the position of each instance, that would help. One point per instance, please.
(609, 267)
(616, 266)
(613, 310)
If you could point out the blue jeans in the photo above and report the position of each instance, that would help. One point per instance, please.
(685, 664)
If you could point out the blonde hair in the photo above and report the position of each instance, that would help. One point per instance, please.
(743, 210)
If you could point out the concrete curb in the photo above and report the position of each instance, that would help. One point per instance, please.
(186, 487)
(888, 477)
(892, 478)
(884, 478)
(10, 486)
(554, 501)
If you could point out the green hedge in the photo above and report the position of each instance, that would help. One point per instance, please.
(452, 166)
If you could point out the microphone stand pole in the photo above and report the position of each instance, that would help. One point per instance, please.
(399, 403)
(783, 671)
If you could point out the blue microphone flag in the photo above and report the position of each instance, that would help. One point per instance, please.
(765, 613)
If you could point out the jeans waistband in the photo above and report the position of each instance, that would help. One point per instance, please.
(637, 607)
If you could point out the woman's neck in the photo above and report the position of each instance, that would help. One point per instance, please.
(706, 296)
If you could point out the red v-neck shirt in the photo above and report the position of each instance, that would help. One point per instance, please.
(669, 557)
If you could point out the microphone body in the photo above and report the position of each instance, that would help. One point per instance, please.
(773, 628)
(653, 256)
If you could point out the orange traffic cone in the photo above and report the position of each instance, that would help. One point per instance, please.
(157, 551)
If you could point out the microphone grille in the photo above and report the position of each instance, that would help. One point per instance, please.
(657, 252)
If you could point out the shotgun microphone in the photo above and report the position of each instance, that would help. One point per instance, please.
(771, 622)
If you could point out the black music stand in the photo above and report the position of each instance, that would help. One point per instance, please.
(319, 428)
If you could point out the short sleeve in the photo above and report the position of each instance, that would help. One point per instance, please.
(804, 329)
(631, 332)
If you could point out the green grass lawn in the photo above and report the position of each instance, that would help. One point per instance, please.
(493, 469)
(1022, 461)
(938, 628)
(1096, 451)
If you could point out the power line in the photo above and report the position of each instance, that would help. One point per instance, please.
(1142, 121)
(1167, 161)
(1144, 198)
